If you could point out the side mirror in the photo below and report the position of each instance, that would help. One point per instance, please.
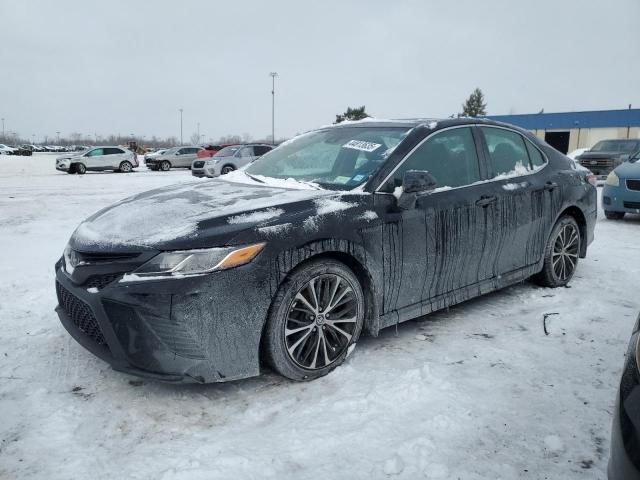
(415, 182)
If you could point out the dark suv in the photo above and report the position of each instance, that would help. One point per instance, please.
(607, 155)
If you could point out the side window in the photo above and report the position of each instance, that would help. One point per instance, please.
(182, 151)
(96, 152)
(246, 152)
(449, 156)
(113, 151)
(537, 160)
(507, 151)
(261, 150)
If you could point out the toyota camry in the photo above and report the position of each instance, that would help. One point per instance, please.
(337, 233)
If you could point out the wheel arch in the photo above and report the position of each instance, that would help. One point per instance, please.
(344, 252)
(580, 218)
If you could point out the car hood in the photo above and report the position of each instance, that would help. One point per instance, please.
(629, 170)
(595, 155)
(68, 156)
(190, 215)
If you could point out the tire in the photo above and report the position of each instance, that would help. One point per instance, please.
(317, 344)
(165, 165)
(80, 168)
(71, 170)
(560, 254)
(126, 167)
(611, 215)
(227, 169)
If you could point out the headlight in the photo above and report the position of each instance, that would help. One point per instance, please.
(211, 161)
(195, 262)
(612, 180)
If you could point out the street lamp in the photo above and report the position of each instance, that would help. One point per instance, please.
(180, 126)
(273, 106)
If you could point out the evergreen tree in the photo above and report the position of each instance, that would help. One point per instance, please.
(474, 106)
(352, 114)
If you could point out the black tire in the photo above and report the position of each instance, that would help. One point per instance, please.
(561, 254)
(72, 169)
(611, 215)
(152, 167)
(165, 165)
(125, 167)
(298, 354)
(227, 169)
(80, 168)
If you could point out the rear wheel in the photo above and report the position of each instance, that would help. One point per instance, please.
(560, 254)
(126, 166)
(315, 318)
(80, 168)
(226, 169)
(165, 165)
(611, 215)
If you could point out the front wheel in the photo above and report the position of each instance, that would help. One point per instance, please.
(560, 254)
(80, 168)
(126, 167)
(227, 169)
(165, 165)
(314, 320)
(613, 215)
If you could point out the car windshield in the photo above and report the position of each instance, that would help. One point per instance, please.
(227, 152)
(627, 146)
(335, 158)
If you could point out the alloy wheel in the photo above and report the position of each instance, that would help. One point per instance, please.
(321, 321)
(226, 170)
(565, 252)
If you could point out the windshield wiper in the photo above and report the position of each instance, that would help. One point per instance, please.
(253, 178)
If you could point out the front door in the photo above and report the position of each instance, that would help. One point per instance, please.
(442, 242)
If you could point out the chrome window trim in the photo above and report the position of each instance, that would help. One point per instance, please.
(524, 139)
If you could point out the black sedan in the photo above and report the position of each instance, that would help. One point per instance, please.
(341, 231)
(624, 462)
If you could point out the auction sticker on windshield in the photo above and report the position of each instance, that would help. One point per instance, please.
(362, 145)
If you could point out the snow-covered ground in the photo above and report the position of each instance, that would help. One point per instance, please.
(478, 392)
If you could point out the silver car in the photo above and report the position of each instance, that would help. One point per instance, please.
(176, 157)
(231, 158)
(110, 157)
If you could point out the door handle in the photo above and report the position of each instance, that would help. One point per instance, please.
(550, 186)
(485, 201)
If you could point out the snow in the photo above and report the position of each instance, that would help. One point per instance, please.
(475, 392)
(369, 215)
(514, 186)
(239, 176)
(330, 205)
(576, 153)
(257, 216)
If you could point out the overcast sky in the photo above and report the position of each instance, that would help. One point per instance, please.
(127, 67)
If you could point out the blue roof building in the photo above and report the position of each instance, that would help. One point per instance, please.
(568, 131)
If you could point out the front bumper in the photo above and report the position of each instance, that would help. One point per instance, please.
(192, 329)
(620, 198)
(212, 170)
(624, 461)
(197, 172)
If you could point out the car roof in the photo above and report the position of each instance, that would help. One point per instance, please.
(414, 122)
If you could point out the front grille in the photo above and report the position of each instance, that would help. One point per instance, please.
(633, 185)
(80, 314)
(635, 205)
(597, 162)
(198, 164)
(101, 281)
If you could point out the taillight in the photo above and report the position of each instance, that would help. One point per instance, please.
(591, 178)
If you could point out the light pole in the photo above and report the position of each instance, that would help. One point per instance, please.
(180, 126)
(273, 106)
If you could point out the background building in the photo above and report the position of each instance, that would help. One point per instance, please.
(567, 131)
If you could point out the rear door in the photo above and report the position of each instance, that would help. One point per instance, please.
(527, 196)
(113, 157)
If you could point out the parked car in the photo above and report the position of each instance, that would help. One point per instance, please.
(23, 150)
(229, 159)
(154, 154)
(621, 192)
(606, 155)
(6, 149)
(98, 159)
(176, 157)
(624, 459)
(210, 150)
(347, 229)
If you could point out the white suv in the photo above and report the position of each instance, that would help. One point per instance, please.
(113, 158)
(229, 159)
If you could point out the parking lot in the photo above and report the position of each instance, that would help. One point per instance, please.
(479, 391)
